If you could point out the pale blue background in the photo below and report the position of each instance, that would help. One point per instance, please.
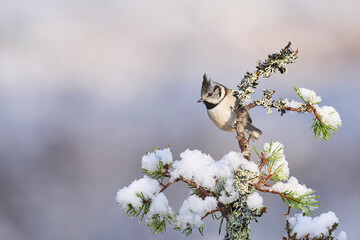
(86, 87)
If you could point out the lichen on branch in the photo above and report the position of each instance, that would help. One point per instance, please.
(274, 62)
(228, 189)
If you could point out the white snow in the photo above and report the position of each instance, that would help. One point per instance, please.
(232, 161)
(329, 116)
(165, 155)
(230, 194)
(195, 166)
(193, 209)
(292, 185)
(159, 205)
(309, 96)
(151, 159)
(204, 170)
(303, 225)
(292, 103)
(128, 195)
(342, 236)
(280, 164)
(254, 201)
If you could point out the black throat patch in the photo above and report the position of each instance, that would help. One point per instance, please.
(212, 105)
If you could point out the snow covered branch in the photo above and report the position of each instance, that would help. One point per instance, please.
(326, 118)
(302, 227)
(212, 184)
(231, 185)
(227, 186)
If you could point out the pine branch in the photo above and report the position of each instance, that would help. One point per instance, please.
(213, 211)
(233, 196)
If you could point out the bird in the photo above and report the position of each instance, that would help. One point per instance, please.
(220, 104)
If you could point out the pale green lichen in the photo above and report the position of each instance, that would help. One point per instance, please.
(275, 62)
(238, 225)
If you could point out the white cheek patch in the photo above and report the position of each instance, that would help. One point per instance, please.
(223, 93)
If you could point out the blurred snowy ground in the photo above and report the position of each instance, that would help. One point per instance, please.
(86, 87)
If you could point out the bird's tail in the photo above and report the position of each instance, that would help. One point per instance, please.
(253, 131)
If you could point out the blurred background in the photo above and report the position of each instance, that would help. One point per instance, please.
(87, 87)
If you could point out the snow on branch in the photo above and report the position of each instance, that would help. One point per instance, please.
(229, 189)
(274, 171)
(302, 227)
(212, 185)
(216, 186)
(326, 120)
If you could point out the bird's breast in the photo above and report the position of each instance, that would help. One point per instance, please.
(223, 115)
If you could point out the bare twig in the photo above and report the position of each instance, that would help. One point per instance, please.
(314, 111)
(213, 211)
(263, 160)
(203, 191)
(293, 109)
(168, 184)
(275, 192)
(288, 211)
(264, 178)
(197, 194)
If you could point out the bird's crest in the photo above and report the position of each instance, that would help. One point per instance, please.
(205, 85)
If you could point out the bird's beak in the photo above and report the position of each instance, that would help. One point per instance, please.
(200, 100)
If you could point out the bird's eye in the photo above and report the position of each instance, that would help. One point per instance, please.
(209, 94)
